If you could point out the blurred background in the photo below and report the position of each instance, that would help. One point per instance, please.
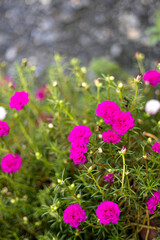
(87, 29)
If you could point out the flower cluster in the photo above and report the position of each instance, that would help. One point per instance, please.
(153, 201)
(110, 136)
(4, 128)
(74, 214)
(121, 121)
(152, 77)
(79, 137)
(108, 212)
(156, 147)
(11, 163)
(109, 177)
(18, 100)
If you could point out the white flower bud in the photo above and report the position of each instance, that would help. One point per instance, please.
(152, 106)
(100, 150)
(3, 113)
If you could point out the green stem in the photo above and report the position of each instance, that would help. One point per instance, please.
(73, 195)
(97, 184)
(98, 92)
(22, 78)
(26, 134)
(94, 226)
(70, 116)
(141, 68)
(123, 175)
(7, 146)
(108, 90)
(135, 97)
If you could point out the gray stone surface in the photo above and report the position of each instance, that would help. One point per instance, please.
(36, 29)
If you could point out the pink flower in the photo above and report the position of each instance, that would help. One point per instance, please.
(123, 122)
(152, 76)
(41, 93)
(77, 154)
(74, 214)
(110, 136)
(156, 147)
(109, 177)
(79, 134)
(108, 212)
(18, 100)
(11, 163)
(153, 201)
(4, 128)
(108, 110)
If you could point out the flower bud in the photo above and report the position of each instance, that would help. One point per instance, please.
(50, 125)
(38, 155)
(60, 181)
(152, 106)
(100, 150)
(54, 84)
(90, 169)
(123, 150)
(78, 195)
(3, 113)
(83, 70)
(139, 56)
(138, 78)
(120, 85)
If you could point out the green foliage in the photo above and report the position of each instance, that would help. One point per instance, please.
(33, 199)
(104, 66)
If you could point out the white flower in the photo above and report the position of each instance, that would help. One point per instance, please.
(152, 106)
(3, 113)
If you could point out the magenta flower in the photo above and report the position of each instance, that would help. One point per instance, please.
(18, 100)
(108, 212)
(74, 214)
(4, 128)
(123, 122)
(79, 134)
(110, 136)
(11, 163)
(109, 177)
(152, 76)
(79, 137)
(108, 110)
(77, 154)
(153, 201)
(41, 93)
(156, 147)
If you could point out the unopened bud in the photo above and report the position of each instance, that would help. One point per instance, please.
(90, 169)
(78, 195)
(60, 181)
(54, 84)
(120, 85)
(138, 78)
(100, 150)
(38, 155)
(139, 56)
(123, 150)
(83, 70)
(50, 125)
(149, 140)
